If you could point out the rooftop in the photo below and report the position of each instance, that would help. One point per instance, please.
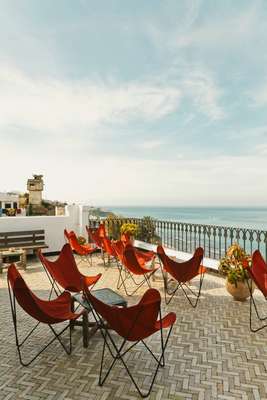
(211, 353)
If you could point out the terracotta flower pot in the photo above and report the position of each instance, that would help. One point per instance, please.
(240, 292)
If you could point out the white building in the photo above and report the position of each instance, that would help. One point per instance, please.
(9, 200)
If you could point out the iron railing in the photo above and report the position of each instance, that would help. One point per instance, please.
(187, 237)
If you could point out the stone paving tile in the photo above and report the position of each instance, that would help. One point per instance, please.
(211, 353)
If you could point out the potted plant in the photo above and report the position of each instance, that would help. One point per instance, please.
(130, 230)
(234, 266)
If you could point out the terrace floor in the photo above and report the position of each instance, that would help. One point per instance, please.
(211, 353)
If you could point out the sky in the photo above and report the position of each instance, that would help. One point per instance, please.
(139, 102)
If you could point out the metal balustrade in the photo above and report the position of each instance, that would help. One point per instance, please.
(187, 237)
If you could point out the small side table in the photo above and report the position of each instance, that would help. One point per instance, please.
(13, 253)
(107, 296)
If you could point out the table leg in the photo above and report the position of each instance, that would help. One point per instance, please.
(1, 263)
(85, 329)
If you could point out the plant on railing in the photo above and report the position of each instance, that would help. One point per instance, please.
(113, 224)
(129, 229)
(147, 231)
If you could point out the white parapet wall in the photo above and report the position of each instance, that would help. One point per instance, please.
(75, 218)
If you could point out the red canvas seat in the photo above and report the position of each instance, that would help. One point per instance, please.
(65, 272)
(94, 236)
(143, 256)
(133, 324)
(182, 272)
(107, 247)
(97, 235)
(84, 251)
(47, 312)
(258, 275)
(130, 267)
(118, 247)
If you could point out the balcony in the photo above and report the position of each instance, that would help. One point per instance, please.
(211, 353)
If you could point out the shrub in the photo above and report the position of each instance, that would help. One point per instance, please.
(113, 224)
(147, 230)
(130, 229)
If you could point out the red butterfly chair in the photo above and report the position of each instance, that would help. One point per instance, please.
(84, 251)
(258, 274)
(119, 248)
(132, 324)
(97, 235)
(102, 230)
(143, 256)
(131, 267)
(109, 250)
(124, 274)
(182, 272)
(94, 237)
(63, 272)
(48, 312)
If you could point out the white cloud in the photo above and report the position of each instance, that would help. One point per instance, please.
(214, 181)
(204, 93)
(230, 31)
(52, 106)
(261, 149)
(151, 144)
(259, 95)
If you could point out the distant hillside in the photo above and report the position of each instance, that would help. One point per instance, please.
(99, 213)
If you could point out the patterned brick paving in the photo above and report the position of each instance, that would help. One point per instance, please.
(211, 353)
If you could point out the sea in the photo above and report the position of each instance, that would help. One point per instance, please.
(240, 217)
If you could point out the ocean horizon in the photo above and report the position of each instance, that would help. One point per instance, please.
(243, 217)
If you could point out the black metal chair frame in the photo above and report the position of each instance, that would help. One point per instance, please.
(86, 258)
(118, 352)
(110, 259)
(19, 343)
(251, 304)
(129, 275)
(181, 285)
(85, 322)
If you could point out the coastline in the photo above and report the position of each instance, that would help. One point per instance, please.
(243, 217)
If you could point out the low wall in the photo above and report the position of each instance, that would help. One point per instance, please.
(74, 219)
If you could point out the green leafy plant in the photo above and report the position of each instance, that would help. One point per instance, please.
(234, 265)
(129, 228)
(147, 231)
(113, 224)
